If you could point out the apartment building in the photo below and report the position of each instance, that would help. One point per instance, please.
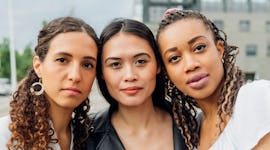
(246, 23)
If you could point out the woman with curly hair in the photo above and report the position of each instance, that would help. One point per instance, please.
(49, 108)
(202, 74)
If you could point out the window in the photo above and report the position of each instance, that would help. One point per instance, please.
(267, 26)
(249, 76)
(268, 51)
(244, 25)
(219, 24)
(251, 50)
(155, 13)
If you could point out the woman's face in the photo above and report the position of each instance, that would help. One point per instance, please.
(68, 70)
(129, 69)
(192, 59)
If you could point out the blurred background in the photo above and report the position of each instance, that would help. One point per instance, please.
(246, 23)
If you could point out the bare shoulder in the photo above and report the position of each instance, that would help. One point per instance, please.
(264, 143)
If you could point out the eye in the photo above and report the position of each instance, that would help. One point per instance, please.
(115, 65)
(174, 59)
(140, 62)
(88, 65)
(61, 60)
(200, 48)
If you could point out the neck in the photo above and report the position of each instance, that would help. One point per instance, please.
(136, 117)
(209, 109)
(209, 105)
(60, 118)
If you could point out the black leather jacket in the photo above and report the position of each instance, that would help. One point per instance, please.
(104, 137)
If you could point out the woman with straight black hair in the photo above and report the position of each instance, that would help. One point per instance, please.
(130, 79)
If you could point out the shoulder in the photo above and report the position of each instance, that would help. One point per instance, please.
(251, 115)
(102, 134)
(5, 121)
(4, 131)
(255, 87)
(100, 120)
(254, 95)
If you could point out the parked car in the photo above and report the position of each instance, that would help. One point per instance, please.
(5, 86)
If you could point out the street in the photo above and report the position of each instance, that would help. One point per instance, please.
(4, 105)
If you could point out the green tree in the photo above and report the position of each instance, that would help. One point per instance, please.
(4, 59)
(24, 62)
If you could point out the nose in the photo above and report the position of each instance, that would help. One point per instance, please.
(130, 74)
(190, 63)
(74, 73)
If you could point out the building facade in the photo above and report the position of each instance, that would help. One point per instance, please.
(246, 23)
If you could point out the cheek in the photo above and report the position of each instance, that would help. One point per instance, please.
(219, 71)
(110, 78)
(49, 77)
(175, 74)
(152, 71)
(217, 66)
(90, 79)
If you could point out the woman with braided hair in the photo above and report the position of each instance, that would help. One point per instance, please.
(202, 74)
(49, 108)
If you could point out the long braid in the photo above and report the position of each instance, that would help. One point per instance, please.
(233, 80)
(232, 74)
(184, 106)
(184, 113)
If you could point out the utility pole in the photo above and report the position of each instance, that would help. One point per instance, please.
(12, 47)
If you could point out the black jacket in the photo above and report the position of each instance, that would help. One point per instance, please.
(104, 137)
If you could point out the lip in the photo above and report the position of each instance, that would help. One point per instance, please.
(198, 81)
(72, 91)
(132, 90)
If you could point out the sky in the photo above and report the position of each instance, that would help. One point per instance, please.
(28, 16)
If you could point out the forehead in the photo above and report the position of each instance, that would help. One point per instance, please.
(124, 44)
(185, 28)
(187, 25)
(73, 42)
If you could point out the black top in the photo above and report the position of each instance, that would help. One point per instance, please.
(104, 137)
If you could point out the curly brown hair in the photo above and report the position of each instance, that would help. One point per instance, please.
(185, 107)
(30, 121)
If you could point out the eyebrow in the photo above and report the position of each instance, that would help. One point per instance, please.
(111, 58)
(69, 55)
(142, 54)
(191, 41)
(135, 56)
(172, 49)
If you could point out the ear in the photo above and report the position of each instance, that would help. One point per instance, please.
(220, 48)
(37, 65)
(158, 69)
